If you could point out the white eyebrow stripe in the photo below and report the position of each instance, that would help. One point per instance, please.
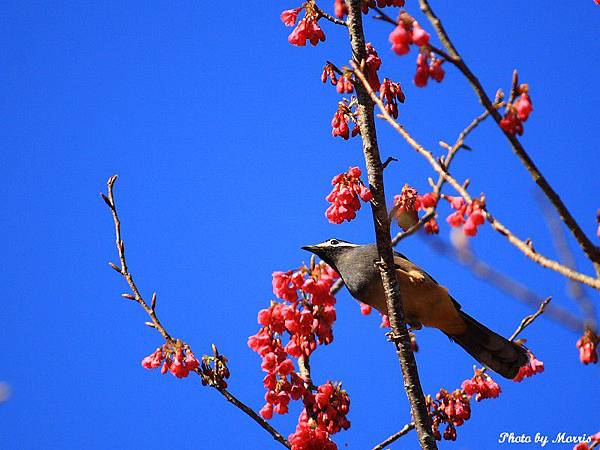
(341, 244)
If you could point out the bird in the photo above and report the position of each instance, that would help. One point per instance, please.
(425, 301)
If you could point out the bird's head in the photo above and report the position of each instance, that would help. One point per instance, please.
(330, 250)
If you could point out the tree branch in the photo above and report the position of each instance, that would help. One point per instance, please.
(496, 224)
(399, 334)
(395, 436)
(156, 324)
(592, 252)
(529, 319)
(329, 17)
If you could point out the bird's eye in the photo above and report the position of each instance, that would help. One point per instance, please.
(334, 242)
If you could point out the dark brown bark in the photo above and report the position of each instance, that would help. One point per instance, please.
(399, 334)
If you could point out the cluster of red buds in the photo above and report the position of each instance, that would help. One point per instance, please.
(532, 367)
(472, 211)
(517, 112)
(329, 74)
(341, 9)
(345, 196)
(451, 409)
(310, 437)
(594, 439)
(372, 63)
(428, 67)
(328, 408)
(339, 123)
(307, 29)
(343, 84)
(409, 203)
(390, 93)
(175, 357)
(324, 414)
(588, 347)
(407, 32)
(481, 386)
(306, 317)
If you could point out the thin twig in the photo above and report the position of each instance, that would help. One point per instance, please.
(329, 17)
(514, 87)
(137, 297)
(529, 319)
(395, 436)
(399, 334)
(496, 224)
(592, 252)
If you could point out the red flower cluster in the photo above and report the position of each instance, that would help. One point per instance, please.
(306, 317)
(517, 112)
(407, 205)
(324, 414)
(373, 63)
(406, 33)
(307, 437)
(588, 347)
(344, 85)
(473, 211)
(595, 439)
(366, 4)
(428, 67)
(451, 409)
(339, 123)
(329, 73)
(341, 9)
(175, 357)
(530, 369)
(307, 29)
(389, 92)
(328, 408)
(344, 197)
(481, 385)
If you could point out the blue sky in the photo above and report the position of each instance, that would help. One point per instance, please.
(219, 131)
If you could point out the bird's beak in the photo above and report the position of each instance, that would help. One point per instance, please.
(311, 248)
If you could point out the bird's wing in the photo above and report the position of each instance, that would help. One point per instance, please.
(407, 266)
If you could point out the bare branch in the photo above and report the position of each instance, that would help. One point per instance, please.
(530, 319)
(399, 334)
(394, 437)
(329, 17)
(155, 322)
